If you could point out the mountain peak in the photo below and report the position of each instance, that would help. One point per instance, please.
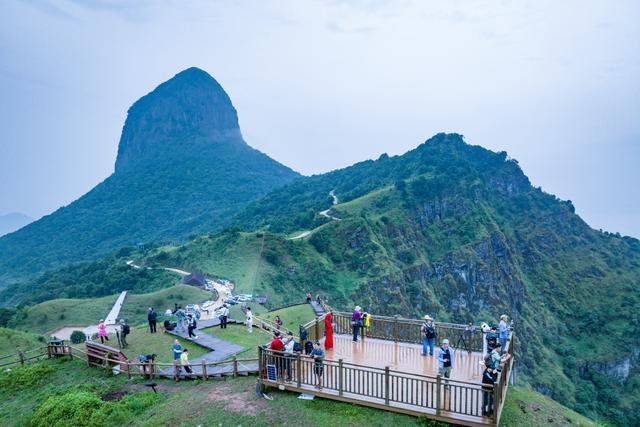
(191, 105)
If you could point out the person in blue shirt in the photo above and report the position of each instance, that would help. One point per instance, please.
(318, 365)
(177, 352)
(504, 331)
(445, 360)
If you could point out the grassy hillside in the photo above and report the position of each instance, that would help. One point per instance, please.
(51, 315)
(90, 279)
(13, 341)
(526, 408)
(73, 394)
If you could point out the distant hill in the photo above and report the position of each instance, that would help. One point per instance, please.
(13, 221)
(182, 169)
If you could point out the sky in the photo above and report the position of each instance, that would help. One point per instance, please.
(320, 85)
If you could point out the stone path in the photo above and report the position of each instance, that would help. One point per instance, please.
(112, 317)
(317, 308)
(222, 350)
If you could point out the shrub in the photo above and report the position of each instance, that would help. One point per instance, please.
(75, 408)
(24, 376)
(78, 337)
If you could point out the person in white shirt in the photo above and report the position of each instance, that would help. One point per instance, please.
(224, 314)
(249, 320)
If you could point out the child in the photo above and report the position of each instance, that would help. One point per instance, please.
(184, 361)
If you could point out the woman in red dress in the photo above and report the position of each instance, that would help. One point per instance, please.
(328, 328)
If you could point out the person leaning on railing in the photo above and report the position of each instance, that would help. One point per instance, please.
(489, 377)
(445, 359)
(318, 362)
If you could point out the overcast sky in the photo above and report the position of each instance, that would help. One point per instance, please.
(319, 85)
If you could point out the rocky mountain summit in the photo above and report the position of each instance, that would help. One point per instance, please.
(182, 169)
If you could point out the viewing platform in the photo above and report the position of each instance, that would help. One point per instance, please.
(385, 370)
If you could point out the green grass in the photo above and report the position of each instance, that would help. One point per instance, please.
(51, 315)
(142, 342)
(238, 334)
(526, 408)
(135, 306)
(225, 403)
(292, 316)
(13, 341)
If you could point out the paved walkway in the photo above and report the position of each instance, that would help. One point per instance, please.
(222, 350)
(112, 317)
(317, 308)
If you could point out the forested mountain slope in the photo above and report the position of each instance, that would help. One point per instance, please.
(182, 169)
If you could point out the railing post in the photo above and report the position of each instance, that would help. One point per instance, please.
(496, 401)
(21, 357)
(235, 366)
(340, 378)
(203, 369)
(128, 370)
(386, 385)
(49, 351)
(299, 369)
(317, 330)
(395, 328)
(438, 387)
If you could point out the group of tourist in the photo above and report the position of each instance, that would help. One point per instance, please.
(123, 331)
(287, 348)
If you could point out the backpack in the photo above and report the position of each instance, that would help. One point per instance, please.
(126, 329)
(303, 333)
(429, 331)
(308, 347)
(492, 340)
(297, 348)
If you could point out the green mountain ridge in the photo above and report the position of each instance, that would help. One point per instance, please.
(458, 232)
(182, 169)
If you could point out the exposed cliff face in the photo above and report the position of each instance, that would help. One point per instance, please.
(190, 106)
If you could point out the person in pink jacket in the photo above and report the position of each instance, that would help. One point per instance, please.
(102, 331)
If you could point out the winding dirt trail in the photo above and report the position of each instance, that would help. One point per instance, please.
(325, 213)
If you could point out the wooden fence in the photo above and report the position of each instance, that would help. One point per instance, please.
(399, 329)
(458, 402)
(384, 388)
(205, 370)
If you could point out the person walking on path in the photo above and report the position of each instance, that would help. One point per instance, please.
(355, 322)
(184, 362)
(192, 325)
(224, 315)
(308, 297)
(152, 318)
(177, 353)
(428, 332)
(328, 331)
(249, 315)
(504, 331)
(489, 377)
(124, 331)
(445, 360)
(278, 323)
(318, 362)
(102, 331)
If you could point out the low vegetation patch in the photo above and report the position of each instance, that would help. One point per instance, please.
(24, 376)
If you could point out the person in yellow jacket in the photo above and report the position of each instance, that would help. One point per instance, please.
(366, 322)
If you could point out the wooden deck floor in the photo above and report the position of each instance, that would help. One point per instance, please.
(403, 357)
